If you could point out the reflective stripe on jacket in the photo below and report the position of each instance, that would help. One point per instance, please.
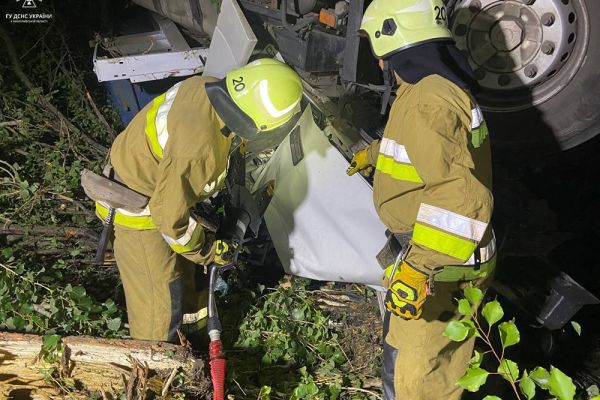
(433, 174)
(173, 151)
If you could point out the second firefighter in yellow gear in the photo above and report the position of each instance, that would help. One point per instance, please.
(175, 151)
(432, 183)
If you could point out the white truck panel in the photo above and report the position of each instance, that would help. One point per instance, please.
(322, 222)
(232, 42)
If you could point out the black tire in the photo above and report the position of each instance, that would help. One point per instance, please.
(571, 116)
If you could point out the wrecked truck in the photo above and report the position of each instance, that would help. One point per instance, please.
(535, 62)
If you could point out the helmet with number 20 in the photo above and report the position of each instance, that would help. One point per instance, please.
(267, 91)
(392, 26)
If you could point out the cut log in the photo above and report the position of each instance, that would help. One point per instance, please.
(94, 364)
(59, 232)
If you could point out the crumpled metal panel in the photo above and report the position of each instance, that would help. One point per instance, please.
(322, 222)
(232, 42)
(199, 16)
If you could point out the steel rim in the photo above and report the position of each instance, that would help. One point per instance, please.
(523, 52)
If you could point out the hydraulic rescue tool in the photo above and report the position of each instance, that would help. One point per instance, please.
(231, 233)
(243, 213)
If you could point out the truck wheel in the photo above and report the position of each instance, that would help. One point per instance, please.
(537, 65)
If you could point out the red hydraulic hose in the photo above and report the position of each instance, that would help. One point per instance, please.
(218, 365)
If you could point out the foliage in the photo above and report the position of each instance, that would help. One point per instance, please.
(43, 145)
(524, 383)
(288, 328)
(296, 352)
(39, 302)
(50, 129)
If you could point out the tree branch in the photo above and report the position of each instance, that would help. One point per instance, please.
(10, 123)
(16, 66)
(109, 128)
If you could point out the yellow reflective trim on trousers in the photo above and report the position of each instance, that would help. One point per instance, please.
(189, 246)
(396, 170)
(150, 129)
(455, 273)
(443, 242)
(197, 317)
(128, 221)
(479, 134)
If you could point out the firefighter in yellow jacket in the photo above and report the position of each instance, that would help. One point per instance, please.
(175, 151)
(432, 183)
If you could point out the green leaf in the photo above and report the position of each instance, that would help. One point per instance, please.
(456, 331)
(78, 291)
(169, 354)
(509, 370)
(265, 393)
(473, 294)
(299, 392)
(114, 324)
(464, 307)
(473, 379)
(297, 314)
(266, 359)
(312, 388)
(560, 385)
(492, 312)
(595, 397)
(576, 327)
(492, 398)
(50, 342)
(339, 357)
(509, 333)
(50, 348)
(303, 372)
(7, 252)
(334, 391)
(527, 386)
(306, 390)
(540, 376)
(476, 360)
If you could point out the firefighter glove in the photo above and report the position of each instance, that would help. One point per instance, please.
(407, 291)
(225, 252)
(360, 163)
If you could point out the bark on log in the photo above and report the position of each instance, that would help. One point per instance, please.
(55, 231)
(97, 364)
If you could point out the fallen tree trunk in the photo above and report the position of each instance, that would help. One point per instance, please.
(96, 365)
(53, 231)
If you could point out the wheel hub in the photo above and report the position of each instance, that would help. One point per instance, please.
(506, 34)
(514, 44)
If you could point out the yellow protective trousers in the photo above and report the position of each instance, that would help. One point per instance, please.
(162, 288)
(419, 362)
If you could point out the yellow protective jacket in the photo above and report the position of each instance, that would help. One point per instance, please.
(174, 153)
(433, 176)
